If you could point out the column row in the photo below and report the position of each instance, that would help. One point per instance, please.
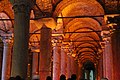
(63, 62)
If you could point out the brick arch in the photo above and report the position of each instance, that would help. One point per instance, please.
(6, 6)
(73, 3)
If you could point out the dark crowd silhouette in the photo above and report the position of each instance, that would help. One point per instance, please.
(62, 77)
(16, 78)
(73, 77)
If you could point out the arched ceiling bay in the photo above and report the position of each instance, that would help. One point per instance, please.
(5, 25)
(80, 28)
(86, 7)
(6, 7)
(83, 22)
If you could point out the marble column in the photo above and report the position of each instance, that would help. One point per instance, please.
(35, 63)
(104, 58)
(108, 60)
(80, 72)
(73, 66)
(6, 64)
(63, 60)
(45, 52)
(21, 38)
(68, 66)
(56, 61)
(87, 74)
(115, 40)
(101, 67)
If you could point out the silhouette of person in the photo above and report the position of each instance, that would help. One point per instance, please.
(73, 77)
(11, 78)
(69, 79)
(48, 78)
(18, 77)
(62, 77)
(104, 79)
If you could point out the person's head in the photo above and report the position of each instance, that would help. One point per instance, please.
(18, 77)
(73, 77)
(104, 79)
(69, 79)
(62, 77)
(48, 78)
(11, 78)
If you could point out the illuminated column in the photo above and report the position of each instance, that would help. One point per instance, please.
(56, 60)
(108, 60)
(88, 74)
(21, 38)
(102, 58)
(45, 52)
(99, 65)
(35, 63)
(63, 60)
(115, 42)
(68, 66)
(73, 65)
(6, 64)
(79, 71)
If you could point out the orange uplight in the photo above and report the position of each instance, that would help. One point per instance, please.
(36, 73)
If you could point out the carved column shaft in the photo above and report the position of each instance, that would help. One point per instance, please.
(35, 63)
(63, 61)
(73, 66)
(68, 66)
(108, 61)
(115, 40)
(6, 64)
(102, 60)
(21, 37)
(56, 61)
(45, 52)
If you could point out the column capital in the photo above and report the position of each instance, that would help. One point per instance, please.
(102, 45)
(106, 37)
(105, 34)
(33, 48)
(36, 50)
(56, 42)
(21, 6)
(106, 40)
(7, 39)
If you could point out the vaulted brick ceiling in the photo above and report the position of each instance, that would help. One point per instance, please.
(82, 26)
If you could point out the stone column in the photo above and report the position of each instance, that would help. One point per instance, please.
(6, 64)
(73, 66)
(45, 52)
(101, 65)
(102, 60)
(68, 66)
(115, 40)
(79, 71)
(88, 74)
(63, 60)
(99, 71)
(35, 63)
(21, 38)
(56, 61)
(108, 60)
